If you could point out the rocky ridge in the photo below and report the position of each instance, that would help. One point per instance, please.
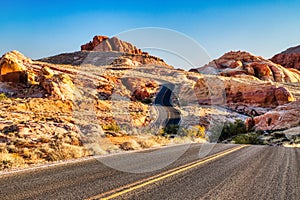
(239, 63)
(289, 58)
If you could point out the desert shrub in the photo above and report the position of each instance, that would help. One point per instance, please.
(3, 96)
(194, 132)
(249, 138)
(161, 140)
(147, 101)
(64, 151)
(146, 142)
(231, 129)
(8, 160)
(130, 145)
(111, 127)
(171, 129)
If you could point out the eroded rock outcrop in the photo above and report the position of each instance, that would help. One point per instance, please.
(104, 43)
(237, 64)
(289, 58)
(283, 117)
(13, 67)
(141, 88)
(223, 90)
(57, 85)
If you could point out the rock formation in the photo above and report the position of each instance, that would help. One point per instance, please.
(13, 67)
(289, 58)
(209, 90)
(283, 117)
(104, 43)
(141, 88)
(57, 85)
(97, 58)
(236, 64)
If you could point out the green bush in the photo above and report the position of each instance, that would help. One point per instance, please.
(249, 138)
(147, 101)
(171, 129)
(231, 129)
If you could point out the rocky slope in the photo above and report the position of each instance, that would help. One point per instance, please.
(289, 58)
(266, 92)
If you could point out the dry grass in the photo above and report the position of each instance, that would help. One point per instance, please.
(9, 160)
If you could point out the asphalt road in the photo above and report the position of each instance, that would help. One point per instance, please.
(252, 172)
(163, 102)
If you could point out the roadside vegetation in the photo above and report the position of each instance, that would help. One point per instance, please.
(3, 97)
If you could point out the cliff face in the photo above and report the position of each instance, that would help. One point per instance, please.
(289, 58)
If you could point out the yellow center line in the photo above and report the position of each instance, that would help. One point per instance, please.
(123, 190)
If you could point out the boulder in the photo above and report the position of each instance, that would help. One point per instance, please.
(58, 86)
(141, 88)
(13, 67)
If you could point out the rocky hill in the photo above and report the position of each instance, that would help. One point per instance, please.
(103, 51)
(100, 101)
(104, 43)
(237, 64)
(289, 58)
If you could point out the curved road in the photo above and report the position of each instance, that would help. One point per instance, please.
(163, 103)
(251, 172)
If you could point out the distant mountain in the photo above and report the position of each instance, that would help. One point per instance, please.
(289, 58)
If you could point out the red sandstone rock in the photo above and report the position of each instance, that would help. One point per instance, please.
(282, 117)
(289, 58)
(103, 43)
(239, 63)
(248, 92)
(141, 88)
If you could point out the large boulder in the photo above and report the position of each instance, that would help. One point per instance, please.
(237, 64)
(57, 85)
(13, 67)
(141, 88)
(289, 58)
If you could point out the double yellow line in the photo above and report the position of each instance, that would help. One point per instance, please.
(134, 186)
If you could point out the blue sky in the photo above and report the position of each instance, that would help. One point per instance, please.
(40, 28)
